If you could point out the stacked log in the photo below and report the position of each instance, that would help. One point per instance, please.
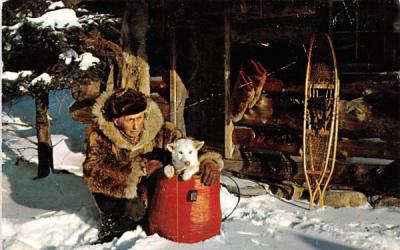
(346, 147)
(371, 116)
(269, 144)
(370, 177)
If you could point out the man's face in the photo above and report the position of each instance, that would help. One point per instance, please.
(132, 125)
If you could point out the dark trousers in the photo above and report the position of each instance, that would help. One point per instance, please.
(119, 215)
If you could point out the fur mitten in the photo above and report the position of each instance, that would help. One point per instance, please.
(242, 95)
(260, 77)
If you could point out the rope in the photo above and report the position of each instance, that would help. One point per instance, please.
(238, 200)
(217, 94)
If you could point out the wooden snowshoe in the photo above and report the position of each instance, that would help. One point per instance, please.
(320, 116)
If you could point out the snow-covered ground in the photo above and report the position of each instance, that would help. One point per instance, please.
(58, 212)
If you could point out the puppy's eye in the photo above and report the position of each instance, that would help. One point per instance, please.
(190, 152)
(180, 152)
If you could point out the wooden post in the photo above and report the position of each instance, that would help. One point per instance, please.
(227, 84)
(172, 78)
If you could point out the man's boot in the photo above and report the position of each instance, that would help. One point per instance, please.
(108, 229)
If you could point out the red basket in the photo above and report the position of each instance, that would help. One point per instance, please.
(185, 211)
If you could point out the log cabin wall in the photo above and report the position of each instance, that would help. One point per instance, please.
(366, 38)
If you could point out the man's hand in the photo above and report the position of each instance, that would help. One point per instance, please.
(209, 172)
(152, 166)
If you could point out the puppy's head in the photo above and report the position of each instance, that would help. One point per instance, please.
(184, 152)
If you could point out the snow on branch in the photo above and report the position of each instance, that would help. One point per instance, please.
(57, 19)
(87, 60)
(45, 50)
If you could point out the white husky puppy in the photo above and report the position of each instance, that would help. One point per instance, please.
(184, 158)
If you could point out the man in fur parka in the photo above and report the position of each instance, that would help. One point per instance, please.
(125, 146)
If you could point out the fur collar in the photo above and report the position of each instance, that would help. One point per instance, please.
(152, 124)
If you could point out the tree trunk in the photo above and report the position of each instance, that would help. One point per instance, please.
(45, 147)
(135, 66)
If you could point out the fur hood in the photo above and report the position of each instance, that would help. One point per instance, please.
(152, 124)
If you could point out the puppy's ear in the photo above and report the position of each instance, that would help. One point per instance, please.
(198, 144)
(171, 147)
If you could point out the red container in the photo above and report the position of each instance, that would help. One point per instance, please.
(185, 211)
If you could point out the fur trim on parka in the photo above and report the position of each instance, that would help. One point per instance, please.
(113, 166)
(152, 124)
